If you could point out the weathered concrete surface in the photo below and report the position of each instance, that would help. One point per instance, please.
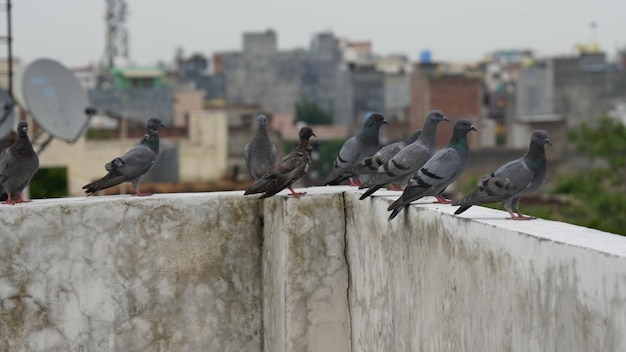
(326, 272)
(305, 273)
(120, 273)
(432, 281)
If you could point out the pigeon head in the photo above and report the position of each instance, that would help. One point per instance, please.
(540, 137)
(437, 116)
(375, 120)
(261, 119)
(22, 128)
(154, 123)
(464, 125)
(306, 133)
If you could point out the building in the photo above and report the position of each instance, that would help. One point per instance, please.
(136, 93)
(456, 94)
(262, 75)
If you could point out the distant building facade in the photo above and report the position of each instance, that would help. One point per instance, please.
(343, 78)
(457, 95)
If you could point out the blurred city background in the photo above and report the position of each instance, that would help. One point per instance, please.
(209, 103)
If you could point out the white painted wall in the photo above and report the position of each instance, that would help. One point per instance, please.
(327, 272)
(202, 156)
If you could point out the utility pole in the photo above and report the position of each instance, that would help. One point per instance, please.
(116, 36)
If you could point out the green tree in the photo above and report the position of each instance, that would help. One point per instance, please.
(312, 114)
(49, 182)
(328, 151)
(597, 197)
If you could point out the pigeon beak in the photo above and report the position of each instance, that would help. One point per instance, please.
(473, 128)
(162, 125)
(385, 122)
(548, 141)
(313, 134)
(446, 119)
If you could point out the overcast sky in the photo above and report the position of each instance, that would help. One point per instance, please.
(72, 31)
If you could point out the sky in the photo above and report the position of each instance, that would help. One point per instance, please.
(72, 31)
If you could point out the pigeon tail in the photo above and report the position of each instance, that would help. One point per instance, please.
(462, 209)
(370, 191)
(107, 181)
(396, 211)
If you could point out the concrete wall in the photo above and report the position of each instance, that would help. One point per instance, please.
(431, 281)
(327, 272)
(120, 273)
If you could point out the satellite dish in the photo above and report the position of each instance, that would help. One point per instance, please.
(55, 98)
(7, 113)
(18, 77)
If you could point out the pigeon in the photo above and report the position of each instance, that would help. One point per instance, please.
(287, 170)
(132, 165)
(512, 180)
(371, 164)
(18, 164)
(407, 161)
(355, 149)
(260, 153)
(439, 171)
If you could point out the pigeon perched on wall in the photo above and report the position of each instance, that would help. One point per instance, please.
(370, 164)
(18, 164)
(407, 161)
(132, 165)
(512, 180)
(355, 149)
(287, 170)
(260, 153)
(439, 171)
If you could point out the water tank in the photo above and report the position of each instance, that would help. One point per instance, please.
(425, 56)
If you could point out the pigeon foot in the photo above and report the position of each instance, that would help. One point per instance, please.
(442, 200)
(296, 194)
(520, 216)
(140, 194)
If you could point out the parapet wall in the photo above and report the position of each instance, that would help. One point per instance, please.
(327, 272)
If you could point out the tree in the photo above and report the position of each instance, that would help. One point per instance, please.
(598, 195)
(311, 113)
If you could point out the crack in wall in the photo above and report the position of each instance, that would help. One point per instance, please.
(347, 259)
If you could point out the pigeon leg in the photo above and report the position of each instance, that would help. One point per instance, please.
(395, 187)
(296, 194)
(21, 200)
(9, 200)
(442, 200)
(358, 182)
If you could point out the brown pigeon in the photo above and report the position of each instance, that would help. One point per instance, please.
(287, 170)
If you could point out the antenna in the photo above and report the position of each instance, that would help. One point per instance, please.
(55, 98)
(116, 37)
(7, 113)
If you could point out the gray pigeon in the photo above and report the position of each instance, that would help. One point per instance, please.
(132, 165)
(287, 170)
(355, 149)
(18, 164)
(407, 161)
(512, 180)
(439, 171)
(260, 153)
(371, 164)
